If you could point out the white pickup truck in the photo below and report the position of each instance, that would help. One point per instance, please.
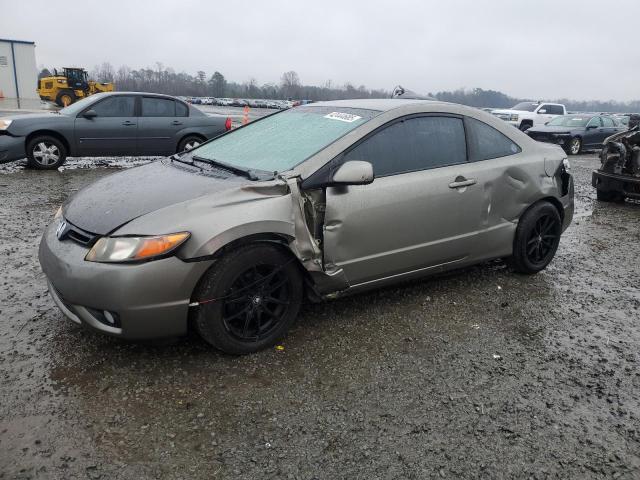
(527, 114)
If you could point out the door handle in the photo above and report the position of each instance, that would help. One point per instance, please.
(128, 123)
(176, 122)
(462, 183)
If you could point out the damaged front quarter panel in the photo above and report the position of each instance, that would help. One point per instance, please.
(277, 208)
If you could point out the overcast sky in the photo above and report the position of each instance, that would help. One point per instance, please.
(537, 49)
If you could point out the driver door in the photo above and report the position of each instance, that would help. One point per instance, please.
(422, 210)
(113, 131)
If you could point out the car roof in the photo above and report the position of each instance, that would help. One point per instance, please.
(146, 94)
(379, 104)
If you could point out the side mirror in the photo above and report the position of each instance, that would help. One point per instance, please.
(90, 114)
(353, 172)
(542, 111)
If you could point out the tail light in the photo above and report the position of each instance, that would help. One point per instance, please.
(227, 124)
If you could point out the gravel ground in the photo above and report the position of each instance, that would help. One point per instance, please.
(479, 373)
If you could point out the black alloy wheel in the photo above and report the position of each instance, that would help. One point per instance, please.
(257, 303)
(537, 238)
(248, 298)
(543, 239)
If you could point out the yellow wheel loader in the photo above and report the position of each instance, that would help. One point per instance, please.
(71, 85)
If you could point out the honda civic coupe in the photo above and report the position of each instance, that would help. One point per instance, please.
(576, 133)
(107, 124)
(313, 202)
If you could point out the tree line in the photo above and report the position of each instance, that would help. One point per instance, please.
(161, 79)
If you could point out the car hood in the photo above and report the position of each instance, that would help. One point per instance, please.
(507, 110)
(28, 122)
(553, 129)
(115, 200)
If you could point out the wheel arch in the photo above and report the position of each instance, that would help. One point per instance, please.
(277, 239)
(549, 199)
(49, 133)
(189, 134)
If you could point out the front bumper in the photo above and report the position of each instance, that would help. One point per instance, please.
(561, 139)
(11, 148)
(610, 182)
(149, 300)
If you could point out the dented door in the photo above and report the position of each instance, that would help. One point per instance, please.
(402, 223)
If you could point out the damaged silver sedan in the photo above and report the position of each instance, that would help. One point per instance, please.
(313, 202)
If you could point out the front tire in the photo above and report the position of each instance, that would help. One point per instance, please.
(45, 153)
(537, 238)
(524, 126)
(575, 146)
(248, 299)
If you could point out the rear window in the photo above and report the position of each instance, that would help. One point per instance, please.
(181, 110)
(485, 142)
(158, 107)
(281, 141)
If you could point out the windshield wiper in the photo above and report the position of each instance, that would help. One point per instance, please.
(175, 157)
(245, 172)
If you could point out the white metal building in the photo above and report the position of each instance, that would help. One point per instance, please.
(18, 72)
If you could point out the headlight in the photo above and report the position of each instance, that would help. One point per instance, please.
(4, 124)
(513, 117)
(58, 213)
(566, 164)
(133, 249)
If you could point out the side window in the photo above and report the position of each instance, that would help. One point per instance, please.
(181, 110)
(158, 107)
(594, 122)
(413, 144)
(553, 109)
(608, 122)
(115, 106)
(486, 142)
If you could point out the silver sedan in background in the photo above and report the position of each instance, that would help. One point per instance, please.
(325, 199)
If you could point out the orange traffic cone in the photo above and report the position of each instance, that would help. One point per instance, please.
(245, 117)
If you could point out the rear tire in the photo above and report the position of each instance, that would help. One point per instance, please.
(608, 196)
(248, 299)
(45, 153)
(537, 238)
(189, 142)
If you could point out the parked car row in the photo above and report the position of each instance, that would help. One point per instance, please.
(244, 102)
(578, 132)
(574, 132)
(105, 124)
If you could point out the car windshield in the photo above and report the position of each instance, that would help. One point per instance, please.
(569, 121)
(281, 141)
(80, 105)
(526, 106)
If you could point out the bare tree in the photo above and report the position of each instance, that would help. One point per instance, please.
(290, 84)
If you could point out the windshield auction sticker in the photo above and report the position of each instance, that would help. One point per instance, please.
(343, 117)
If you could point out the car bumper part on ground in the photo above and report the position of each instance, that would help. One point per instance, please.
(135, 301)
(610, 182)
(11, 148)
(568, 205)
